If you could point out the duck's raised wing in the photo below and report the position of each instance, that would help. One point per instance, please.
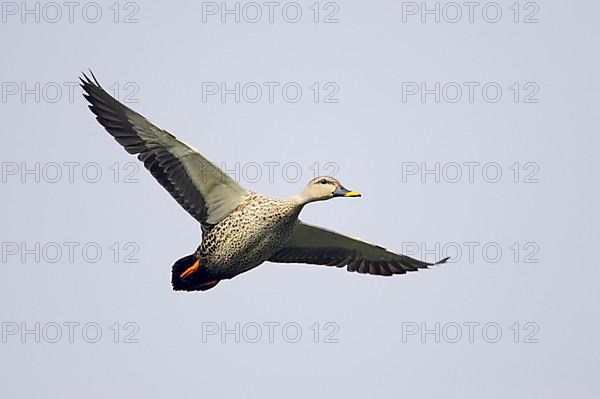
(198, 185)
(315, 245)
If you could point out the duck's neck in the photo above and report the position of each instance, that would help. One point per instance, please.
(301, 200)
(304, 198)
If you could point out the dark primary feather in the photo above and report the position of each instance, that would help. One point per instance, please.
(315, 245)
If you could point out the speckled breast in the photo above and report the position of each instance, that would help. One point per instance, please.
(249, 235)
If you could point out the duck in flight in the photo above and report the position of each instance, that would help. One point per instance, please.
(240, 229)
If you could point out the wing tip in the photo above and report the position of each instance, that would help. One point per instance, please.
(88, 83)
(440, 262)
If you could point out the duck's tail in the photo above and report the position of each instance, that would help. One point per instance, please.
(187, 275)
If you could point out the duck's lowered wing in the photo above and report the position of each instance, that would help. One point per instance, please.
(315, 245)
(198, 185)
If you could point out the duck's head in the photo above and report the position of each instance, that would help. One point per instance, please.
(324, 188)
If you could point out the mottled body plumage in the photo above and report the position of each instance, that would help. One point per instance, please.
(250, 235)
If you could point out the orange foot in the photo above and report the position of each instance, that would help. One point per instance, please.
(207, 285)
(190, 270)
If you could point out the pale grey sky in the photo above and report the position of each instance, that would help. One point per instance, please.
(474, 136)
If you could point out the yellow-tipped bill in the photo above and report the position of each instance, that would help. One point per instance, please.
(342, 191)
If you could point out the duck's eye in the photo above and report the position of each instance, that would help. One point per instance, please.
(323, 181)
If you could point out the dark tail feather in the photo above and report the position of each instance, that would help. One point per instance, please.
(198, 281)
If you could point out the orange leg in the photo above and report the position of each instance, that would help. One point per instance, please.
(208, 285)
(190, 270)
